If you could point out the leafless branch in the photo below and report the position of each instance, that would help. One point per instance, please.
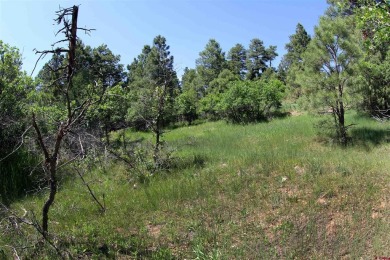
(39, 137)
(63, 40)
(36, 63)
(43, 55)
(60, 30)
(68, 162)
(18, 147)
(82, 148)
(87, 31)
(102, 207)
(15, 216)
(55, 51)
(15, 253)
(46, 238)
(116, 155)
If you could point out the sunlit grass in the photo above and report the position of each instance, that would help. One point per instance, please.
(261, 191)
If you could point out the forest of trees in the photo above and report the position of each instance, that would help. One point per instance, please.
(84, 93)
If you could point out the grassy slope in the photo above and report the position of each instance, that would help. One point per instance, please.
(245, 192)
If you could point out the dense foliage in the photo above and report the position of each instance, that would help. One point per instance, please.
(15, 164)
(328, 70)
(251, 101)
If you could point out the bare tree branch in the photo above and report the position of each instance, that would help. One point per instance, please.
(18, 147)
(102, 207)
(39, 137)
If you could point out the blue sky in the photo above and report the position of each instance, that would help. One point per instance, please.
(127, 25)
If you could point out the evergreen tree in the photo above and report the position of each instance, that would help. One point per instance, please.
(189, 76)
(291, 64)
(329, 69)
(136, 70)
(256, 59)
(374, 82)
(211, 62)
(159, 66)
(270, 54)
(297, 45)
(106, 67)
(236, 60)
(150, 76)
(50, 74)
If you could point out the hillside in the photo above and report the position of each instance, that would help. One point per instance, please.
(258, 191)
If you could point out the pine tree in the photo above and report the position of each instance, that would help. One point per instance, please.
(291, 64)
(236, 59)
(211, 62)
(329, 69)
(256, 59)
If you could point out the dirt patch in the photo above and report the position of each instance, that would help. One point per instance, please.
(378, 212)
(154, 230)
(336, 221)
(290, 191)
(322, 201)
(299, 170)
(295, 113)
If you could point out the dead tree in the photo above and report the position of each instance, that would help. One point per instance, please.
(74, 113)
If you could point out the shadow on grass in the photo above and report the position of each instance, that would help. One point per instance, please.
(281, 114)
(185, 124)
(118, 143)
(196, 161)
(368, 137)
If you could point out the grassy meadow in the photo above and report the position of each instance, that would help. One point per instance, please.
(270, 190)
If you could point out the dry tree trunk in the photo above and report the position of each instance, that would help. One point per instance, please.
(73, 114)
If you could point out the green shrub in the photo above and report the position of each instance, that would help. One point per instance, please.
(251, 101)
(186, 104)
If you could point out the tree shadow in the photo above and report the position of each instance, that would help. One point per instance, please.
(281, 114)
(181, 124)
(123, 143)
(368, 137)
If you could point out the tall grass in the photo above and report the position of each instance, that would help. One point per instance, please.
(16, 177)
(261, 191)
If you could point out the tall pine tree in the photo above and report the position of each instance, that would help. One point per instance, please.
(211, 62)
(236, 60)
(256, 59)
(328, 70)
(291, 64)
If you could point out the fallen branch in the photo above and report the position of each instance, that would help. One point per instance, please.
(102, 207)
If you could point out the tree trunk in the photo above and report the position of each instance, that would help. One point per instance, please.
(51, 160)
(52, 167)
(157, 148)
(341, 118)
(342, 130)
(106, 133)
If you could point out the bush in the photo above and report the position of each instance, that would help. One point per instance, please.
(186, 104)
(209, 106)
(251, 101)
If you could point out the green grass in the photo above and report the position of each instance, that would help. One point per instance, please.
(16, 177)
(261, 191)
